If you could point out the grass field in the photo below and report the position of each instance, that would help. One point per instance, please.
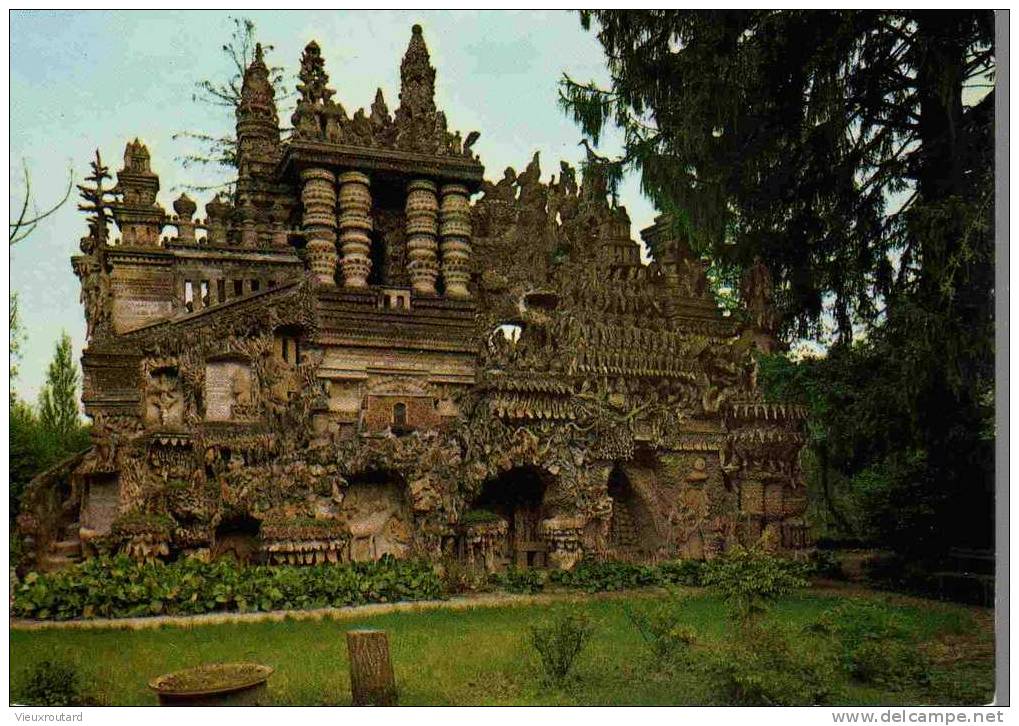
(481, 656)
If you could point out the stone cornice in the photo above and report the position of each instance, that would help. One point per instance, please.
(301, 154)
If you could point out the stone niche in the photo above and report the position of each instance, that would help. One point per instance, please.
(377, 513)
(345, 400)
(100, 503)
(163, 398)
(228, 391)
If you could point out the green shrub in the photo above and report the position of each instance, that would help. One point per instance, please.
(121, 587)
(53, 683)
(559, 643)
(893, 664)
(750, 580)
(876, 644)
(606, 575)
(519, 580)
(666, 639)
(479, 516)
(825, 563)
(763, 665)
(682, 572)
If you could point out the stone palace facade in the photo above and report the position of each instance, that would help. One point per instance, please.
(367, 349)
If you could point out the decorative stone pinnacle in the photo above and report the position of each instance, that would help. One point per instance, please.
(314, 85)
(184, 206)
(136, 157)
(417, 77)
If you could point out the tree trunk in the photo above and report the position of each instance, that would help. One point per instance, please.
(371, 672)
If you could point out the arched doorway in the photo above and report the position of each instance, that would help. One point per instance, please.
(632, 531)
(377, 512)
(238, 537)
(517, 496)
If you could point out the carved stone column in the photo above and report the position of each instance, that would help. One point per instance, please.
(249, 230)
(355, 225)
(455, 229)
(319, 198)
(422, 228)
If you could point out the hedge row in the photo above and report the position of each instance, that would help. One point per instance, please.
(120, 587)
(608, 575)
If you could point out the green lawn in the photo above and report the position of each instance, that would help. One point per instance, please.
(481, 656)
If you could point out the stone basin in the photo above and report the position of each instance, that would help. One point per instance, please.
(214, 684)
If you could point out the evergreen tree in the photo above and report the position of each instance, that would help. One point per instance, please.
(852, 152)
(58, 400)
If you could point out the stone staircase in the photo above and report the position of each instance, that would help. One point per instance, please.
(65, 553)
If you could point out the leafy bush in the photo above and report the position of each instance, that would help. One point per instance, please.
(605, 575)
(480, 516)
(763, 665)
(559, 644)
(53, 683)
(682, 572)
(825, 563)
(519, 580)
(876, 644)
(750, 580)
(893, 665)
(659, 626)
(121, 587)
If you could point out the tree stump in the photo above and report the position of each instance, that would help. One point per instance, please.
(371, 672)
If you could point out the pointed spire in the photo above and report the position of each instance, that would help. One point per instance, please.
(314, 85)
(417, 78)
(258, 126)
(379, 110)
(258, 97)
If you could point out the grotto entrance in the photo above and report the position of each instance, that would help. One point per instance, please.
(377, 513)
(632, 531)
(238, 537)
(517, 496)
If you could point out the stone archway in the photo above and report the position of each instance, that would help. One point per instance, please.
(517, 496)
(632, 531)
(377, 512)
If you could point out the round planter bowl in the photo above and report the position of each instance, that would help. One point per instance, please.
(214, 684)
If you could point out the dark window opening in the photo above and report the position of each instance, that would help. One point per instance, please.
(238, 288)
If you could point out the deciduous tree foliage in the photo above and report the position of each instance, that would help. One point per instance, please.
(221, 150)
(852, 151)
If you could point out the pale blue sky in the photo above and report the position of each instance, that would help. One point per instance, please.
(82, 80)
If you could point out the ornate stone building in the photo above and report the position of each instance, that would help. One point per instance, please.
(368, 349)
